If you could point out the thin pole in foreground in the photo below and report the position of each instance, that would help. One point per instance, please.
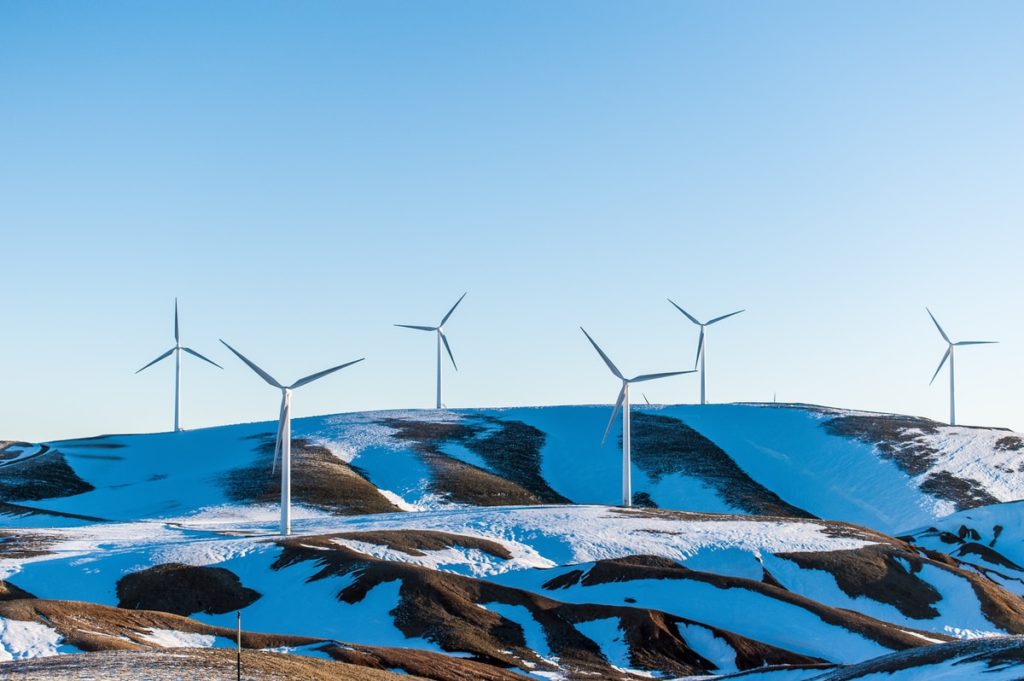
(239, 648)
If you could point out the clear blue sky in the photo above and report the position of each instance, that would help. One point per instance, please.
(303, 175)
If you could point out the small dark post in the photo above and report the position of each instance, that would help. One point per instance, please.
(239, 642)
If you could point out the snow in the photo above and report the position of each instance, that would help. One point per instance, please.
(745, 612)
(167, 502)
(22, 640)
(172, 638)
(533, 632)
(783, 448)
(712, 648)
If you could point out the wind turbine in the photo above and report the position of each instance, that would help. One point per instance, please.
(441, 339)
(623, 402)
(283, 447)
(177, 350)
(949, 356)
(702, 344)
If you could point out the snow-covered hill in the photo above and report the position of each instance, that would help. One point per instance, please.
(764, 535)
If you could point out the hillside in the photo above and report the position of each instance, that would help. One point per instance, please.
(482, 543)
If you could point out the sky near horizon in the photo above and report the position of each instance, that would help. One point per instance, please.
(302, 176)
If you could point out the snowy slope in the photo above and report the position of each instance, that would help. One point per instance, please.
(759, 459)
(487, 534)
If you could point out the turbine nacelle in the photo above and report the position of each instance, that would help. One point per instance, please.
(626, 382)
(442, 340)
(176, 350)
(283, 444)
(948, 356)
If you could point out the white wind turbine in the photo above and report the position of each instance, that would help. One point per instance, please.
(949, 355)
(441, 340)
(177, 350)
(622, 402)
(702, 344)
(283, 446)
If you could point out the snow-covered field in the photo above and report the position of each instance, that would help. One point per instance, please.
(502, 546)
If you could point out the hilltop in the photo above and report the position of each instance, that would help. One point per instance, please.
(484, 543)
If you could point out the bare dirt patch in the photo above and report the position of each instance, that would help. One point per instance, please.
(45, 476)
(9, 592)
(898, 439)
(415, 542)
(511, 451)
(664, 446)
(445, 608)
(635, 568)
(318, 478)
(184, 590)
(181, 663)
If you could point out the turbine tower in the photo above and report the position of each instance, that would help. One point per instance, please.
(177, 350)
(623, 402)
(283, 447)
(702, 345)
(441, 340)
(949, 355)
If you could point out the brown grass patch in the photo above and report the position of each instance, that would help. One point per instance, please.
(444, 608)
(44, 476)
(184, 590)
(415, 542)
(510, 449)
(181, 663)
(652, 567)
(318, 478)
(664, 446)
(897, 439)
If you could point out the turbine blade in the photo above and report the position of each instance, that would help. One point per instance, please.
(176, 335)
(444, 339)
(651, 377)
(205, 359)
(700, 347)
(618, 405)
(725, 316)
(166, 354)
(688, 315)
(262, 374)
(944, 336)
(941, 364)
(418, 328)
(452, 310)
(615, 370)
(976, 343)
(645, 399)
(320, 374)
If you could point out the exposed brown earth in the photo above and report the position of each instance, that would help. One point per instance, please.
(1010, 443)
(93, 627)
(897, 439)
(511, 450)
(877, 572)
(40, 477)
(415, 542)
(445, 608)
(420, 663)
(9, 592)
(184, 590)
(100, 629)
(318, 478)
(652, 567)
(191, 663)
(23, 544)
(663, 446)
